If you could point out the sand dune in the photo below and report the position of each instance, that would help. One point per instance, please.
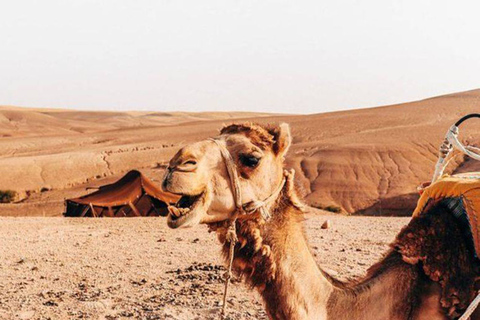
(362, 161)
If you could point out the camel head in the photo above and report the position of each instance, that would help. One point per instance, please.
(199, 174)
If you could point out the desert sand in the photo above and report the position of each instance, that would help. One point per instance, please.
(363, 161)
(137, 268)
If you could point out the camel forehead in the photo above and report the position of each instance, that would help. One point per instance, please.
(258, 135)
(241, 141)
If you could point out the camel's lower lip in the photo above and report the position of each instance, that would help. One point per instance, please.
(185, 212)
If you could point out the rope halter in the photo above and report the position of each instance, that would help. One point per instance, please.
(252, 206)
(241, 209)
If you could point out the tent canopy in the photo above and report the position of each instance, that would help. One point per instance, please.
(132, 195)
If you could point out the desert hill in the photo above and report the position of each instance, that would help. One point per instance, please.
(362, 161)
(371, 160)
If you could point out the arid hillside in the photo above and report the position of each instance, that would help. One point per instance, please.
(371, 160)
(363, 161)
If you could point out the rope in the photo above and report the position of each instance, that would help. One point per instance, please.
(232, 173)
(443, 153)
(231, 232)
(451, 141)
(247, 208)
(471, 308)
(261, 206)
(252, 206)
(452, 136)
(473, 149)
(232, 238)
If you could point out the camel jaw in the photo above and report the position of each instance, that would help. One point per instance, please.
(187, 212)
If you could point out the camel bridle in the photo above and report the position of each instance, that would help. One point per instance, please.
(241, 209)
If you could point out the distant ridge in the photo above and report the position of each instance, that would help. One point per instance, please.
(31, 122)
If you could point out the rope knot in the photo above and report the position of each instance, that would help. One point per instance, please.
(231, 235)
(227, 276)
(253, 206)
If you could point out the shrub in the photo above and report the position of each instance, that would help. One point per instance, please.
(7, 196)
(332, 208)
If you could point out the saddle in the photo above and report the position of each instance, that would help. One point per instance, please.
(461, 195)
(448, 199)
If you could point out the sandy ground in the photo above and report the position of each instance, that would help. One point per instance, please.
(59, 268)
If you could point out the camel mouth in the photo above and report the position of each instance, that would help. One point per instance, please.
(186, 211)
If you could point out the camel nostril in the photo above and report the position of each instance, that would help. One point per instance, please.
(190, 162)
(185, 166)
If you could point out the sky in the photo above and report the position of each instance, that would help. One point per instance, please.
(250, 55)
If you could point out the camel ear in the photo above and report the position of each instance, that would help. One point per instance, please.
(283, 139)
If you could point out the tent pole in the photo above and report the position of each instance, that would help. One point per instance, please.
(84, 212)
(134, 209)
(94, 213)
(152, 208)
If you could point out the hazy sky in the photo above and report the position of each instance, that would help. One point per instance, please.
(278, 56)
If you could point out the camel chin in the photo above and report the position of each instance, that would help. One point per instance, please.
(191, 210)
(187, 212)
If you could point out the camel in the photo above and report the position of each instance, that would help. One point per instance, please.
(272, 253)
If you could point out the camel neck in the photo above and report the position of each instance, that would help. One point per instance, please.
(299, 289)
(386, 293)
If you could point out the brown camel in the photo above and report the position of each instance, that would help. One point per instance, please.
(421, 277)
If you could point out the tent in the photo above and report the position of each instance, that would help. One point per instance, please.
(132, 196)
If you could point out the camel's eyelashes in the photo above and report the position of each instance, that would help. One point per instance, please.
(249, 160)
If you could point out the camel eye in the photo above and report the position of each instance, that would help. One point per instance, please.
(249, 160)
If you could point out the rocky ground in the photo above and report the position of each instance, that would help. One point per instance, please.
(137, 268)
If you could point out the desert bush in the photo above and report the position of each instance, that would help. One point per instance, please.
(7, 196)
(332, 208)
